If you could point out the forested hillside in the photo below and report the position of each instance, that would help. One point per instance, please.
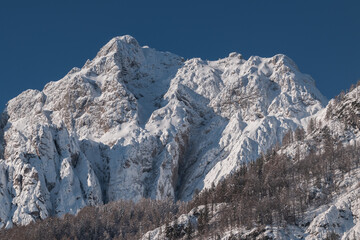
(275, 190)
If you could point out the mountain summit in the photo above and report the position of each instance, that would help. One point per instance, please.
(135, 122)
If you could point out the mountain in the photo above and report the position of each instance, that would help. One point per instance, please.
(308, 188)
(138, 123)
(318, 170)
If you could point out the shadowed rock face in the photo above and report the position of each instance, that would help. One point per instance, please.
(3, 121)
(135, 122)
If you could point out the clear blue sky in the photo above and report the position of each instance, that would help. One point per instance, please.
(42, 41)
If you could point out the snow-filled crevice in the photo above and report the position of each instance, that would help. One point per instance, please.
(203, 137)
(149, 94)
(97, 154)
(149, 90)
(202, 153)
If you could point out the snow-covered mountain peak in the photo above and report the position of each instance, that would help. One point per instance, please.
(282, 59)
(119, 44)
(235, 55)
(136, 122)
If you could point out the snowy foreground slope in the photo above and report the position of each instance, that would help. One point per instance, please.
(135, 122)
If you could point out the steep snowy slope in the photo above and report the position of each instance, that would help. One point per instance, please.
(260, 99)
(135, 122)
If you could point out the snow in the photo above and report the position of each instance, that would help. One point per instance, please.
(135, 122)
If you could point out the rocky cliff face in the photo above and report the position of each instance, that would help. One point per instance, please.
(135, 122)
(337, 218)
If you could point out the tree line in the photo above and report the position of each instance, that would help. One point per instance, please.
(276, 189)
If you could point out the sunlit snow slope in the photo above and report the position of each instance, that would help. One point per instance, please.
(135, 122)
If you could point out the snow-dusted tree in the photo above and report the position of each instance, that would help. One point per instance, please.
(311, 125)
(299, 134)
(288, 138)
(329, 111)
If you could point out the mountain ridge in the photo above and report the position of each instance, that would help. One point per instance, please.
(134, 122)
